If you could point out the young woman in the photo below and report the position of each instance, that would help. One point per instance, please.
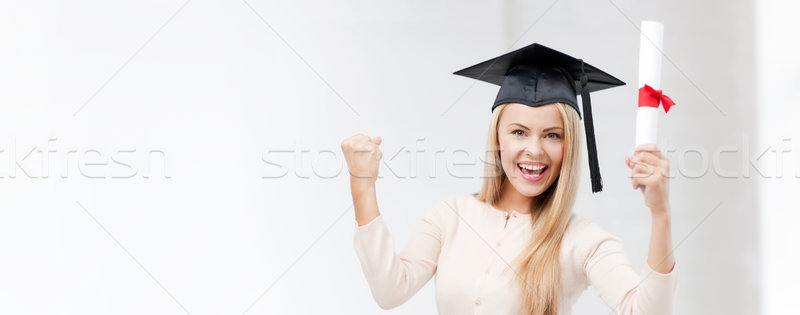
(516, 247)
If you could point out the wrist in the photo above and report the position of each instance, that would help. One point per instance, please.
(661, 215)
(660, 209)
(361, 183)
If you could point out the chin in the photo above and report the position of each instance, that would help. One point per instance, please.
(527, 189)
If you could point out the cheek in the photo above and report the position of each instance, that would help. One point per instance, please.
(556, 153)
(508, 150)
(503, 141)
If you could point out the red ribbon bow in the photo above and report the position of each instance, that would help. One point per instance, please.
(651, 97)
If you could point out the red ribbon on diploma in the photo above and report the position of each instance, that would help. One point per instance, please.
(651, 97)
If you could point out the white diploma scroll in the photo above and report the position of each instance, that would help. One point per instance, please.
(650, 47)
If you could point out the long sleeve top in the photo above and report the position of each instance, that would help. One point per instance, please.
(468, 245)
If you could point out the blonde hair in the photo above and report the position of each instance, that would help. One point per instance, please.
(537, 267)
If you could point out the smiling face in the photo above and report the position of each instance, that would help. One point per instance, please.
(531, 143)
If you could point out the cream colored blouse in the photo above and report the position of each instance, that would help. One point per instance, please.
(468, 245)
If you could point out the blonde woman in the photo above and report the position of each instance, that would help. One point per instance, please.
(516, 247)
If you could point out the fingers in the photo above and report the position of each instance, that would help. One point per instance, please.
(360, 143)
(642, 175)
(646, 161)
(649, 168)
(643, 157)
(647, 158)
(358, 140)
(651, 161)
(647, 154)
(350, 141)
(363, 156)
(635, 182)
(646, 175)
(638, 164)
(651, 148)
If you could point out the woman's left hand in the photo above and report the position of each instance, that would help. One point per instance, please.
(650, 169)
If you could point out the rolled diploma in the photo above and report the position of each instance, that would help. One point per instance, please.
(650, 47)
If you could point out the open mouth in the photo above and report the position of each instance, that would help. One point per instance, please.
(532, 172)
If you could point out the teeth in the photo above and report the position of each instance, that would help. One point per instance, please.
(531, 167)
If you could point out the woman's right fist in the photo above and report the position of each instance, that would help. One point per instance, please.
(363, 156)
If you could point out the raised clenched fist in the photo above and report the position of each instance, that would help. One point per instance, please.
(363, 157)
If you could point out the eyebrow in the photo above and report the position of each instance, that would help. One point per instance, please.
(521, 125)
(526, 128)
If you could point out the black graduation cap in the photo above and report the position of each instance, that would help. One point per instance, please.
(536, 75)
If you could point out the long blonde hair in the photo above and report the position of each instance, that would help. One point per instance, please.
(537, 267)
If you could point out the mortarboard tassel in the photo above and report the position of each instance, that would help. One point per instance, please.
(591, 143)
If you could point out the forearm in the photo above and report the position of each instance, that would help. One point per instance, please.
(365, 201)
(660, 257)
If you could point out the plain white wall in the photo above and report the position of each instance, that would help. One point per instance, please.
(201, 99)
(778, 109)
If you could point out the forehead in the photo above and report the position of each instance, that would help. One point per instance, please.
(541, 116)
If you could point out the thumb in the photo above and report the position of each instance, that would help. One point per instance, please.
(376, 140)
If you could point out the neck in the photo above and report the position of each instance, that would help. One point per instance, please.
(511, 199)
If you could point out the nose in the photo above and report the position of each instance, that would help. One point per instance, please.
(534, 148)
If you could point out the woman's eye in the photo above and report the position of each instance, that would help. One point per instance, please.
(518, 132)
(553, 135)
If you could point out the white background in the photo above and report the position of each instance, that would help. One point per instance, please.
(199, 97)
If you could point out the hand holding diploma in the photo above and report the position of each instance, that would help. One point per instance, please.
(649, 171)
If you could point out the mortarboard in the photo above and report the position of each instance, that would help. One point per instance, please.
(536, 75)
